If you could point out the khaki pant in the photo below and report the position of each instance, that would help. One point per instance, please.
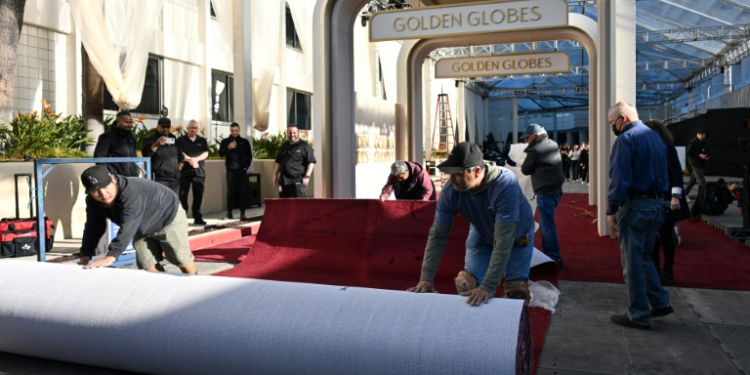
(171, 241)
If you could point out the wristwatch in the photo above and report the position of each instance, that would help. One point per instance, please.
(678, 196)
(306, 176)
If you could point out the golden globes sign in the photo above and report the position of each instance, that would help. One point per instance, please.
(486, 17)
(503, 65)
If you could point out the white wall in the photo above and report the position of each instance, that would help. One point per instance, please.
(375, 127)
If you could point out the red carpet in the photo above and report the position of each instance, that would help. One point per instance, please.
(232, 251)
(362, 243)
(707, 257)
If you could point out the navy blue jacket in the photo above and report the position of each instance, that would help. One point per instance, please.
(638, 165)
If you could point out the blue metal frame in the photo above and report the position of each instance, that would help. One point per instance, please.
(40, 174)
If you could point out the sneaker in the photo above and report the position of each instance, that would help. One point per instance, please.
(664, 311)
(199, 222)
(623, 320)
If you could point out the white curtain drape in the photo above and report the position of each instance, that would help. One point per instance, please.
(118, 50)
(223, 9)
(302, 13)
(268, 43)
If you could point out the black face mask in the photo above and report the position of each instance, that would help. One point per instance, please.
(614, 130)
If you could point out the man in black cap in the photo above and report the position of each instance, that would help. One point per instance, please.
(501, 235)
(238, 155)
(148, 213)
(119, 142)
(166, 156)
(544, 163)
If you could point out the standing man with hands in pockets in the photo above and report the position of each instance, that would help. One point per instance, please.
(239, 155)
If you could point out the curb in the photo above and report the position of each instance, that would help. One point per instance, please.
(204, 240)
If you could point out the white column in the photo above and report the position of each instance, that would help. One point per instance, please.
(486, 126)
(514, 117)
(426, 108)
(616, 82)
(204, 71)
(460, 117)
(243, 72)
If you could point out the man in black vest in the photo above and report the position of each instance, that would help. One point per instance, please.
(166, 156)
(238, 155)
(119, 142)
(195, 150)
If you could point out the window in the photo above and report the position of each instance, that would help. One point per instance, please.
(151, 99)
(299, 109)
(292, 39)
(222, 96)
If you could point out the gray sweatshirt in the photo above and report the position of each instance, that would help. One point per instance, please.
(141, 206)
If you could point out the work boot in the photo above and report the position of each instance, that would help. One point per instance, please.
(465, 282)
(517, 289)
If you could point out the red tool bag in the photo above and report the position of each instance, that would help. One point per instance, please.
(18, 237)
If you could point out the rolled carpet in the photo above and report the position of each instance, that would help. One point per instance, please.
(174, 324)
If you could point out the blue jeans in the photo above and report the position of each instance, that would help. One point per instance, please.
(547, 204)
(638, 221)
(478, 253)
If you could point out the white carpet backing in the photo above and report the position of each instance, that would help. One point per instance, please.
(172, 324)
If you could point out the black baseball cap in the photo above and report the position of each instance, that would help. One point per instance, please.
(164, 121)
(95, 178)
(464, 155)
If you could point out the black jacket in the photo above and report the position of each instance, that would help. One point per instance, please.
(238, 158)
(116, 143)
(544, 163)
(695, 148)
(141, 206)
(165, 162)
(293, 160)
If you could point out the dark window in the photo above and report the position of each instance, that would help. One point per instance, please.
(213, 12)
(222, 96)
(151, 97)
(292, 39)
(299, 109)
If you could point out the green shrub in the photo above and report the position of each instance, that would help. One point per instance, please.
(48, 135)
(267, 146)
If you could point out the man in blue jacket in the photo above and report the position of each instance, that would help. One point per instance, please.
(638, 182)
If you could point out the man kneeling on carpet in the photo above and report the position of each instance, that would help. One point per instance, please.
(501, 235)
(147, 212)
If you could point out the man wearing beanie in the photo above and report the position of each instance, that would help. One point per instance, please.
(166, 156)
(501, 236)
(544, 163)
(148, 213)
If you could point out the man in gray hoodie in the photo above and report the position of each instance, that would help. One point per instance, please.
(501, 236)
(544, 163)
(147, 212)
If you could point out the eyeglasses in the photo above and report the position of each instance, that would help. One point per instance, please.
(615, 122)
